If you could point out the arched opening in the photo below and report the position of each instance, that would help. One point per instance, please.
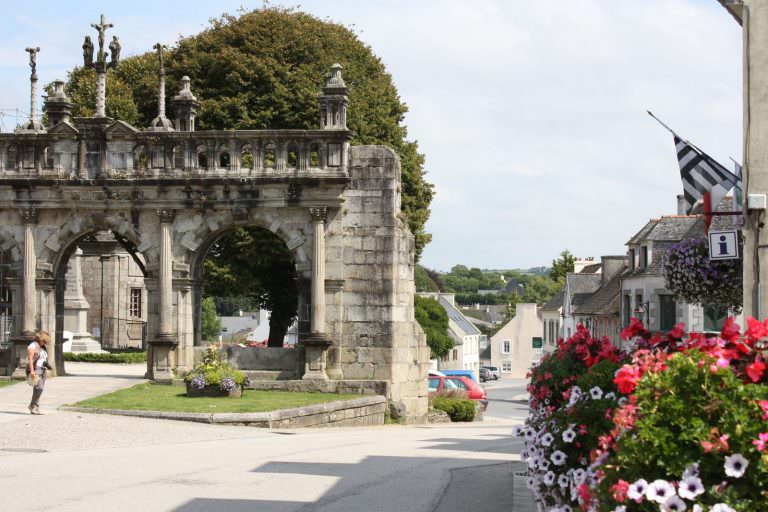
(314, 155)
(249, 272)
(140, 158)
(202, 157)
(100, 296)
(178, 157)
(11, 158)
(246, 157)
(270, 158)
(224, 160)
(293, 156)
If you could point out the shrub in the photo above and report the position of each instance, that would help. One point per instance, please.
(459, 409)
(124, 357)
(687, 422)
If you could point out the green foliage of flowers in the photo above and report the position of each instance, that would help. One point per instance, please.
(213, 370)
(459, 409)
(693, 412)
(692, 277)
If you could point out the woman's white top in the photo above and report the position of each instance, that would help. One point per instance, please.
(43, 354)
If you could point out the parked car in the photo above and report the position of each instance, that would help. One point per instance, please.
(485, 375)
(441, 385)
(465, 373)
(495, 373)
(436, 373)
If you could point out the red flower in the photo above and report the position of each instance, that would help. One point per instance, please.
(627, 378)
(756, 329)
(730, 330)
(620, 489)
(678, 331)
(634, 329)
(755, 370)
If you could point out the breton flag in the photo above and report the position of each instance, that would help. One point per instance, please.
(700, 174)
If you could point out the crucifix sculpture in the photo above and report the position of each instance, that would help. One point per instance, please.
(160, 47)
(33, 60)
(101, 28)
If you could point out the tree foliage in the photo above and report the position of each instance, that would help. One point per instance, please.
(423, 280)
(210, 325)
(255, 263)
(561, 266)
(434, 321)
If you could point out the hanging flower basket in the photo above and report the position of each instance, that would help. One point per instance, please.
(693, 278)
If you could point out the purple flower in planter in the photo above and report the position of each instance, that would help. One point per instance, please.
(227, 384)
(197, 383)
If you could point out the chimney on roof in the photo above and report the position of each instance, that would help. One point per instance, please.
(682, 205)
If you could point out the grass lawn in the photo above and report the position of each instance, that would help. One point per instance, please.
(155, 397)
(7, 382)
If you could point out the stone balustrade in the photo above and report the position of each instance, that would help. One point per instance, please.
(128, 153)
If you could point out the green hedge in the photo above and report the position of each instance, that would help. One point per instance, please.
(459, 409)
(126, 357)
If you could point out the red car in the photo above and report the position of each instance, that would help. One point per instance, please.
(439, 385)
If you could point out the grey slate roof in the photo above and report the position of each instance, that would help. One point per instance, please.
(555, 303)
(514, 286)
(581, 283)
(591, 269)
(459, 319)
(605, 301)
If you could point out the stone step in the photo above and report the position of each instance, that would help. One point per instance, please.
(255, 375)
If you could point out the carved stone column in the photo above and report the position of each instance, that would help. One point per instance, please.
(164, 342)
(316, 345)
(29, 217)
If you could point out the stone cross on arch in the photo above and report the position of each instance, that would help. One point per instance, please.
(101, 28)
(160, 47)
(33, 59)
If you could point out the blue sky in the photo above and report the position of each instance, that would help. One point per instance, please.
(531, 114)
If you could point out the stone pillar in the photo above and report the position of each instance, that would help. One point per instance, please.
(29, 217)
(101, 89)
(76, 308)
(164, 342)
(316, 345)
(318, 270)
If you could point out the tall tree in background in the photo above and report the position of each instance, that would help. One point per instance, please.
(434, 321)
(561, 266)
(263, 69)
(210, 325)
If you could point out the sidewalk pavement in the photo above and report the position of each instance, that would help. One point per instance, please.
(83, 380)
(186, 467)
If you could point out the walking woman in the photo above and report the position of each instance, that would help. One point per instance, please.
(37, 355)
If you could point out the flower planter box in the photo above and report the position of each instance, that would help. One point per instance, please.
(214, 391)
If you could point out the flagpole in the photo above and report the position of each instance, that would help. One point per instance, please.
(673, 132)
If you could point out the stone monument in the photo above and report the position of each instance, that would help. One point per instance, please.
(76, 308)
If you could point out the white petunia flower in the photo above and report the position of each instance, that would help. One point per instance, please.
(543, 464)
(558, 458)
(566, 508)
(637, 490)
(531, 483)
(517, 430)
(549, 478)
(659, 491)
(596, 393)
(673, 504)
(524, 455)
(721, 507)
(578, 476)
(563, 481)
(569, 435)
(690, 487)
(610, 396)
(547, 439)
(529, 434)
(691, 470)
(736, 465)
(620, 508)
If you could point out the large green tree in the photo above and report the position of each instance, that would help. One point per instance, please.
(561, 266)
(210, 325)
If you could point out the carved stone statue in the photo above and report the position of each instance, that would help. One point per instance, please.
(88, 52)
(101, 28)
(114, 48)
(160, 47)
(33, 60)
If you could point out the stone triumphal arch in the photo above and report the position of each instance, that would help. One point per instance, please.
(167, 191)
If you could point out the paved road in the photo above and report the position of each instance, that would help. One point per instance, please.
(507, 399)
(110, 463)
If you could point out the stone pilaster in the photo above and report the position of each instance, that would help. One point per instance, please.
(29, 217)
(318, 216)
(101, 89)
(164, 342)
(316, 345)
